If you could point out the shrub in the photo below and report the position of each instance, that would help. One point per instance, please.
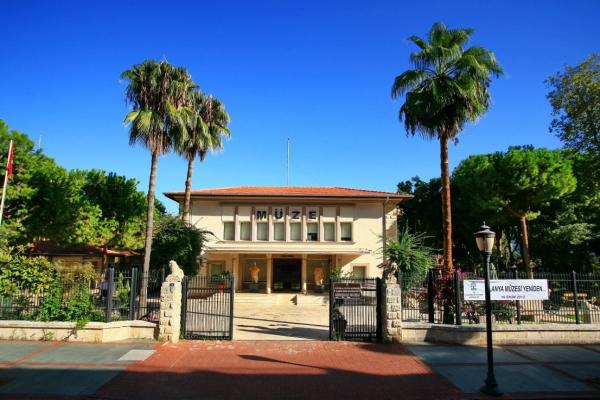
(411, 255)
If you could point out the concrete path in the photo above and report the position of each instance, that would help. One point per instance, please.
(521, 371)
(279, 370)
(280, 322)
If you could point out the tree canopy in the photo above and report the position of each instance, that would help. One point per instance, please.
(575, 99)
(47, 201)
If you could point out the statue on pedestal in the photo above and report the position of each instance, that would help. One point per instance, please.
(319, 276)
(254, 270)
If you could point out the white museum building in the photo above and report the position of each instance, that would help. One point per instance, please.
(282, 238)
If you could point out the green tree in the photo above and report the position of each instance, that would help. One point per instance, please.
(176, 240)
(517, 183)
(447, 87)
(423, 213)
(160, 96)
(575, 101)
(206, 133)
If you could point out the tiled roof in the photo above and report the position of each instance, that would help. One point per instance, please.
(49, 248)
(290, 191)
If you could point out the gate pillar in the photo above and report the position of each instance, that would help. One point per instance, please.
(391, 315)
(169, 327)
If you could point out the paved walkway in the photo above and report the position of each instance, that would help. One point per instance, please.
(521, 371)
(266, 370)
(280, 322)
(279, 370)
(63, 369)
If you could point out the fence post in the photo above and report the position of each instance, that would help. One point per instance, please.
(379, 309)
(132, 293)
(162, 275)
(231, 294)
(430, 296)
(331, 305)
(457, 308)
(110, 290)
(518, 302)
(576, 298)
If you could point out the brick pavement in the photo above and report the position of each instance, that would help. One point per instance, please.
(279, 370)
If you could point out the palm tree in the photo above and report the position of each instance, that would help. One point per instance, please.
(447, 87)
(209, 128)
(160, 95)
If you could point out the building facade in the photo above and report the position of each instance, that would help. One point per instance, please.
(288, 238)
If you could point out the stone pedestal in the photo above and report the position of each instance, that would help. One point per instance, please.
(391, 312)
(169, 327)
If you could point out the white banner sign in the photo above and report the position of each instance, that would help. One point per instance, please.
(507, 289)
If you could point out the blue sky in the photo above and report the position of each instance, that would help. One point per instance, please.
(317, 72)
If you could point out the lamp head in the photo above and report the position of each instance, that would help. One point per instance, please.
(484, 238)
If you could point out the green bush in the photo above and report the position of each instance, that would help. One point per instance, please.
(20, 272)
(412, 256)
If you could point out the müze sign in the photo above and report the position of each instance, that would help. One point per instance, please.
(507, 289)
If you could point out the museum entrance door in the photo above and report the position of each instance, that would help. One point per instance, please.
(287, 274)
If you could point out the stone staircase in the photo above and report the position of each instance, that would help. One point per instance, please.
(297, 299)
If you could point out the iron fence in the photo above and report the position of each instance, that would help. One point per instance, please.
(354, 308)
(437, 298)
(207, 307)
(115, 296)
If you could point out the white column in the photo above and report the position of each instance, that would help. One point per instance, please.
(235, 266)
(269, 272)
(304, 285)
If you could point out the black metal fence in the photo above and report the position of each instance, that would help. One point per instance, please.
(355, 309)
(115, 296)
(207, 307)
(437, 298)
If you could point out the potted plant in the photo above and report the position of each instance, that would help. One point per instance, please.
(339, 321)
(221, 280)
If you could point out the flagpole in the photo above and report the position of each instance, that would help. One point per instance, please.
(10, 150)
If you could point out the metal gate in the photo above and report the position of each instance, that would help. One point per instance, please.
(207, 307)
(355, 309)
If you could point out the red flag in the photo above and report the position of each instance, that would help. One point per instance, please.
(9, 164)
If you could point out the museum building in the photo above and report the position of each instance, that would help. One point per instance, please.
(287, 238)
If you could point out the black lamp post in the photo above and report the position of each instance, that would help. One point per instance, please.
(485, 243)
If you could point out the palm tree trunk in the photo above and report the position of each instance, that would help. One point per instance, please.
(525, 245)
(446, 204)
(185, 215)
(149, 230)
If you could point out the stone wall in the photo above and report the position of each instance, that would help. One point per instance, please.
(98, 332)
(475, 335)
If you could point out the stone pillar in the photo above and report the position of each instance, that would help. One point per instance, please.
(269, 273)
(170, 306)
(391, 317)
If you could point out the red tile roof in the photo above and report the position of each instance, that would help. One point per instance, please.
(49, 248)
(289, 191)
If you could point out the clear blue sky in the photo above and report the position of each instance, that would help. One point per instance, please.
(317, 72)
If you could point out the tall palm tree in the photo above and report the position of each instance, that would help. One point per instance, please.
(447, 87)
(209, 128)
(161, 97)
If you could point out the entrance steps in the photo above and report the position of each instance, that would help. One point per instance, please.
(281, 298)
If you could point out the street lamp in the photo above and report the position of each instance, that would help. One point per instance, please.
(484, 238)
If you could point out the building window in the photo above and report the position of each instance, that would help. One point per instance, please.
(312, 232)
(262, 231)
(329, 231)
(245, 231)
(279, 231)
(359, 272)
(346, 231)
(296, 231)
(216, 269)
(228, 230)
